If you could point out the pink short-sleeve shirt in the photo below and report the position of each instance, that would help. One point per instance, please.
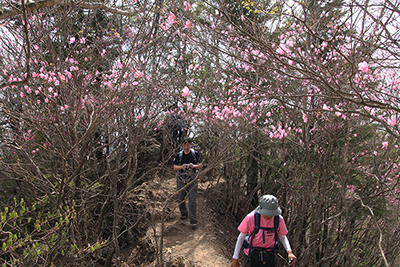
(247, 226)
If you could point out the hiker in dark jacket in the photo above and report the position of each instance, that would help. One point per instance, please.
(262, 244)
(186, 163)
(175, 125)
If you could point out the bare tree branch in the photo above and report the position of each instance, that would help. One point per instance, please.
(11, 11)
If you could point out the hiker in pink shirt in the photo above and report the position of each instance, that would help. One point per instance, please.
(261, 250)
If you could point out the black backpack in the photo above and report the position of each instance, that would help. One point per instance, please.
(257, 228)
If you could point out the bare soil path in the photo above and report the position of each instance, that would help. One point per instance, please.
(195, 247)
(209, 245)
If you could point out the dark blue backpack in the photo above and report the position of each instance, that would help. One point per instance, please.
(257, 228)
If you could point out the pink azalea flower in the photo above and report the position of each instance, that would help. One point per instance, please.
(188, 24)
(385, 145)
(305, 118)
(363, 66)
(282, 49)
(187, 6)
(171, 18)
(138, 74)
(392, 121)
(72, 40)
(185, 91)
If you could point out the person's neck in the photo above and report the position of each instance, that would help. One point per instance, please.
(186, 151)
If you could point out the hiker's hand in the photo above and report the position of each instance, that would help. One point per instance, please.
(292, 258)
(235, 263)
(191, 165)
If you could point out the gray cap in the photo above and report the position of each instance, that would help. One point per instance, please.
(268, 206)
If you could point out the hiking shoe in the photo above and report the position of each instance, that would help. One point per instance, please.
(184, 217)
(193, 226)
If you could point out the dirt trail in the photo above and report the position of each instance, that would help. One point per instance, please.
(200, 247)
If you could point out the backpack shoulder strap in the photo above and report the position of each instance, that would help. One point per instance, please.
(256, 228)
(194, 155)
(276, 223)
(256, 222)
(180, 156)
(276, 226)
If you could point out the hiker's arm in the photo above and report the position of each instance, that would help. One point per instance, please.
(177, 167)
(235, 263)
(195, 166)
(238, 246)
(285, 242)
(199, 165)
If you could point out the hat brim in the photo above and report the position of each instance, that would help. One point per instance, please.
(268, 212)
